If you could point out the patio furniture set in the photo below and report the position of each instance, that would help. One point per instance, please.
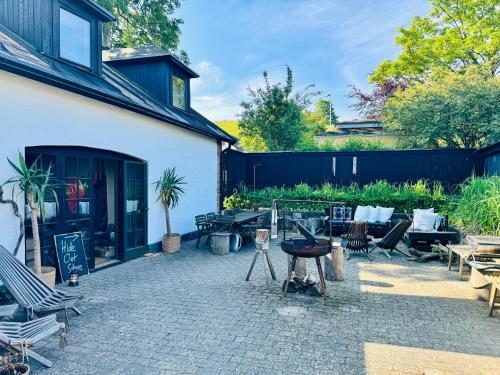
(242, 222)
(481, 255)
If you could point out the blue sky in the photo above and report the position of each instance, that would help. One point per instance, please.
(329, 43)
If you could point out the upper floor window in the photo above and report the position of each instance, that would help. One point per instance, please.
(74, 37)
(178, 92)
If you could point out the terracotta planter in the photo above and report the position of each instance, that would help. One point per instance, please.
(48, 276)
(18, 368)
(171, 244)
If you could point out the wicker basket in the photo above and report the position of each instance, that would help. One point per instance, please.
(171, 244)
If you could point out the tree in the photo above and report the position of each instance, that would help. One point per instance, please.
(370, 105)
(454, 35)
(318, 120)
(144, 23)
(449, 110)
(274, 114)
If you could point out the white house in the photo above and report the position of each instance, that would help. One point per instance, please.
(109, 126)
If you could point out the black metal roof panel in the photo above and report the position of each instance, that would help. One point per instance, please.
(141, 53)
(112, 87)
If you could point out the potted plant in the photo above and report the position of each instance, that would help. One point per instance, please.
(37, 185)
(10, 365)
(169, 190)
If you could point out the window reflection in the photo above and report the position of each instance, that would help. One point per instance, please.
(74, 38)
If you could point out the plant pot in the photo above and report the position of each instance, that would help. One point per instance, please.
(48, 276)
(19, 369)
(171, 244)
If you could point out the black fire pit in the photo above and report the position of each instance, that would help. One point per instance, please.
(310, 247)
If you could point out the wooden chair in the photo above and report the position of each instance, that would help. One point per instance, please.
(390, 241)
(30, 292)
(203, 227)
(356, 239)
(16, 337)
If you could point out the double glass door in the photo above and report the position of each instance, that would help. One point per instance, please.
(100, 195)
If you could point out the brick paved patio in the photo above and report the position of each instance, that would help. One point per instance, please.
(193, 312)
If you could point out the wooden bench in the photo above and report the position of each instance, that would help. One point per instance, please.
(494, 280)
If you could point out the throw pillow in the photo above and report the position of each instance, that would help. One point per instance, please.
(374, 214)
(362, 213)
(424, 221)
(385, 213)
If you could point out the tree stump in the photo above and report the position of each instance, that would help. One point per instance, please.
(334, 263)
(300, 265)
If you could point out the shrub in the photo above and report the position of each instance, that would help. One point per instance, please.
(477, 209)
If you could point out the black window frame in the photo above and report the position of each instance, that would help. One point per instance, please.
(94, 35)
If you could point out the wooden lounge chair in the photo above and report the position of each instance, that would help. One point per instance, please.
(30, 292)
(390, 241)
(16, 337)
(357, 239)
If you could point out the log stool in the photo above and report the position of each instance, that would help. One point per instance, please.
(334, 263)
(262, 246)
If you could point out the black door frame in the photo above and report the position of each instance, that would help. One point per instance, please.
(61, 153)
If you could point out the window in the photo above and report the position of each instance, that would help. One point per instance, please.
(178, 92)
(74, 38)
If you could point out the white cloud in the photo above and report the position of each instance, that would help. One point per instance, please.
(216, 107)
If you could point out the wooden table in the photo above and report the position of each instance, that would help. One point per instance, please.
(494, 280)
(248, 216)
(229, 222)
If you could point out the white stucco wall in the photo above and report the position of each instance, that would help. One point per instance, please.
(35, 114)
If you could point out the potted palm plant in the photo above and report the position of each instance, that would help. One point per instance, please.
(169, 190)
(37, 184)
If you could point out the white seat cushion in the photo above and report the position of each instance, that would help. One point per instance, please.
(362, 213)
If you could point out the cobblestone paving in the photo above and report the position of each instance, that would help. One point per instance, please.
(193, 312)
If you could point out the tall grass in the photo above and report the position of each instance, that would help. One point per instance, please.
(477, 209)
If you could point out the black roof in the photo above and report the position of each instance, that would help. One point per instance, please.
(103, 14)
(117, 55)
(19, 57)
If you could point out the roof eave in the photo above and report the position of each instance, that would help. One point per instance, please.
(106, 16)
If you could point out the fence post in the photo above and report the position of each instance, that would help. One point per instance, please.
(274, 221)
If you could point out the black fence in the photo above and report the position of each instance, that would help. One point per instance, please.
(487, 160)
(260, 170)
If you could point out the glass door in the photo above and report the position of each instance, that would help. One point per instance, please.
(78, 202)
(135, 209)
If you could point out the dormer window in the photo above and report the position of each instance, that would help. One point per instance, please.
(178, 92)
(74, 37)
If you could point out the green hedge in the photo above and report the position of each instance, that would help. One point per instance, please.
(475, 208)
(403, 197)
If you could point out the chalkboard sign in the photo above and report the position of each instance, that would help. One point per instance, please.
(71, 254)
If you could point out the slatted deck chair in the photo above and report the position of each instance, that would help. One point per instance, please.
(30, 292)
(356, 239)
(203, 227)
(17, 337)
(390, 241)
